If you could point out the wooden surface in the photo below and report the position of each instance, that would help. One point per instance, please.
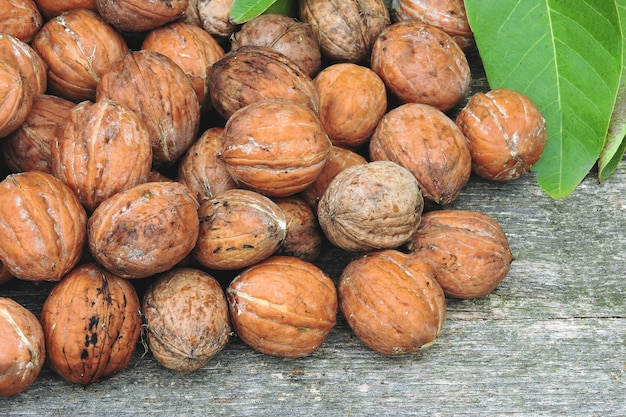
(550, 341)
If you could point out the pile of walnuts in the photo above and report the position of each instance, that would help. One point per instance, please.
(160, 144)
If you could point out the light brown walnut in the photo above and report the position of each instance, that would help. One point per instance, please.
(506, 132)
(468, 251)
(393, 307)
(370, 206)
(283, 306)
(23, 349)
(420, 63)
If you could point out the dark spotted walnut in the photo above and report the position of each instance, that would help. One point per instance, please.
(144, 230)
(238, 228)
(91, 322)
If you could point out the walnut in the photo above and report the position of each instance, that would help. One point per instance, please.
(186, 319)
(377, 205)
(468, 251)
(238, 228)
(430, 145)
(420, 63)
(352, 100)
(289, 36)
(394, 308)
(506, 132)
(23, 349)
(346, 29)
(91, 322)
(283, 306)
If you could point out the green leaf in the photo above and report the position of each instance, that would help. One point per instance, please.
(615, 145)
(284, 7)
(566, 56)
(243, 10)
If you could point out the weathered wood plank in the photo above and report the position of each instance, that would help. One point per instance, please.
(561, 367)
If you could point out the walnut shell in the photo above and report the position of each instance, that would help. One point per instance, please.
(202, 170)
(304, 236)
(191, 48)
(140, 15)
(346, 29)
(420, 63)
(448, 15)
(338, 159)
(289, 36)
(17, 98)
(23, 348)
(392, 307)
(190, 15)
(253, 73)
(5, 274)
(283, 306)
(103, 149)
(78, 47)
(428, 143)
(213, 16)
(29, 147)
(468, 251)
(377, 205)
(144, 230)
(52, 8)
(186, 319)
(45, 239)
(506, 133)
(352, 100)
(91, 322)
(276, 147)
(158, 90)
(238, 228)
(156, 176)
(31, 65)
(21, 19)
